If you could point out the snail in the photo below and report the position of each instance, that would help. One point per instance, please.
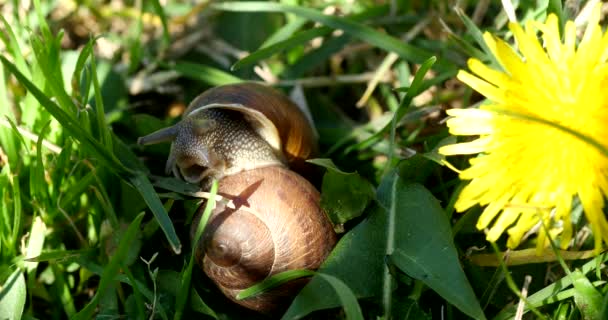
(237, 127)
(251, 138)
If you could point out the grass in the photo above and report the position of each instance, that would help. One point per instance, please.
(90, 227)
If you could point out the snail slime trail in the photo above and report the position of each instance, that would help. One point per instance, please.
(254, 140)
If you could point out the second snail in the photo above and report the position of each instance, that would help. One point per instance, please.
(255, 141)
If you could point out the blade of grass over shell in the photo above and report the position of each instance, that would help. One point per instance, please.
(112, 269)
(203, 73)
(414, 89)
(273, 282)
(72, 125)
(297, 39)
(357, 30)
(185, 286)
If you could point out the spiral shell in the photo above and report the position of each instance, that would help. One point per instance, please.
(277, 226)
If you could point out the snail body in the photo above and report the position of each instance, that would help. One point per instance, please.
(250, 137)
(237, 127)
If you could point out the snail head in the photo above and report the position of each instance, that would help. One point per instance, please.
(191, 157)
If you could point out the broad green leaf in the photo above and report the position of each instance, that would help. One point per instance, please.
(12, 296)
(587, 298)
(408, 309)
(344, 196)
(360, 31)
(357, 260)
(423, 247)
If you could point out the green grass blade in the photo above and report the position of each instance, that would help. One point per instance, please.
(284, 32)
(80, 64)
(68, 122)
(346, 296)
(415, 89)
(17, 209)
(163, 19)
(103, 129)
(273, 282)
(205, 74)
(145, 188)
(478, 37)
(12, 44)
(297, 39)
(12, 296)
(112, 269)
(357, 30)
(184, 290)
(140, 181)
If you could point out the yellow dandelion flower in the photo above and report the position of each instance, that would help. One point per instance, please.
(543, 133)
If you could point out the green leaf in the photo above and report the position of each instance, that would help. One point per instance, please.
(344, 195)
(12, 296)
(357, 260)
(357, 30)
(423, 247)
(586, 297)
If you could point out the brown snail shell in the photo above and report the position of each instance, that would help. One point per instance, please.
(277, 226)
